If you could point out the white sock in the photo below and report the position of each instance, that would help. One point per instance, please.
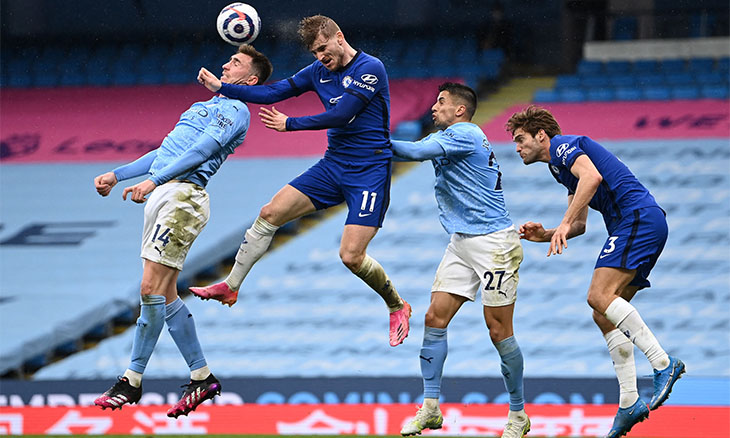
(622, 355)
(625, 316)
(374, 276)
(431, 404)
(135, 378)
(520, 415)
(254, 245)
(200, 374)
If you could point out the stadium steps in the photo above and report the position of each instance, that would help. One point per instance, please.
(515, 91)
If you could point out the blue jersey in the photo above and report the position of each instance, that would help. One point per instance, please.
(468, 183)
(356, 99)
(223, 119)
(619, 193)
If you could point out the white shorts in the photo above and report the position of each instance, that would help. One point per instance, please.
(174, 215)
(489, 262)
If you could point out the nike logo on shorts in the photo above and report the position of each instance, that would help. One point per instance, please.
(363, 215)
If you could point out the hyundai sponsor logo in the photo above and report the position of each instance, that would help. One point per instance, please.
(369, 79)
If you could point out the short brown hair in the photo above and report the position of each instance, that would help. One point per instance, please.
(262, 67)
(311, 27)
(463, 94)
(532, 120)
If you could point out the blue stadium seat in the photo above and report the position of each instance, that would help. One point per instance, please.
(685, 92)
(598, 80)
(628, 93)
(678, 78)
(723, 65)
(567, 81)
(622, 80)
(546, 95)
(650, 79)
(656, 92)
(572, 95)
(601, 94)
(700, 65)
(589, 67)
(711, 78)
(645, 66)
(624, 28)
(672, 65)
(408, 130)
(714, 91)
(615, 67)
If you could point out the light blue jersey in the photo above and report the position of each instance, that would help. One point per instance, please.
(468, 183)
(225, 120)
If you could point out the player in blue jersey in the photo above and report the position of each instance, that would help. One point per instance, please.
(176, 212)
(637, 230)
(356, 169)
(484, 252)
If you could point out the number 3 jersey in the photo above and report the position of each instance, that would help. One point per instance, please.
(468, 185)
(619, 193)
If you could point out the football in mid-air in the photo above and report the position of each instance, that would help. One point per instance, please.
(238, 23)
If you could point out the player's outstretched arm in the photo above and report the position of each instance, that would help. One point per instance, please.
(105, 182)
(535, 232)
(417, 150)
(273, 119)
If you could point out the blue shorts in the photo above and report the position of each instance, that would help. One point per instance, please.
(636, 243)
(364, 186)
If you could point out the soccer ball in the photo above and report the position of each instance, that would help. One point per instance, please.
(238, 23)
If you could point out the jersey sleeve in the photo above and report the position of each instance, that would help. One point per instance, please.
(421, 150)
(270, 93)
(231, 120)
(456, 142)
(204, 147)
(565, 154)
(368, 80)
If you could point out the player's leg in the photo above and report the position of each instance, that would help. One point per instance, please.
(632, 409)
(288, 204)
(496, 259)
(157, 281)
(432, 357)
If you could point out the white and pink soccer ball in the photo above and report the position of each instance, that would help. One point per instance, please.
(238, 23)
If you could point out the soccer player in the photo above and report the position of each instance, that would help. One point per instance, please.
(356, 169)
(637, 230)
(484, 252)
(176, 212)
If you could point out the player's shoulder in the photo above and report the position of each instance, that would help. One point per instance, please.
(365, 61)
(233, 109)
(465, 130)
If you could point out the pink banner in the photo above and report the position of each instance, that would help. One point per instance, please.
(630, 120)
(117, 124)
(371, 419)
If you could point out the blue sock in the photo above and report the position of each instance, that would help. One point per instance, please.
(433, 355)
(149, 325)
(181, 325)
(512, 366)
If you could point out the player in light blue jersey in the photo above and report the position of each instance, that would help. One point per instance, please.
(356, 169)
(637, 230)
(484, 252)
(176, 212)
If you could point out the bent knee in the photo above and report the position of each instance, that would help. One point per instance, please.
(433, 320)
(499, 333)
(352, 260)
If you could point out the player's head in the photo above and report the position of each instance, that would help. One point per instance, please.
(531, 131)
(455, 103)
(247, 66)
(324, 39)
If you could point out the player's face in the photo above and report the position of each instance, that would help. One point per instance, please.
(443, 112)
(329, 51)
(237, 70)
(527, 146)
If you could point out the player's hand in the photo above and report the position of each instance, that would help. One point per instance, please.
(273, 119)
(559, 239)
(139, 191)
(532, 231)
(105, 182)
(208, 79)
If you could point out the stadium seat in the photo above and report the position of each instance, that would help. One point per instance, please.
(624, 28)
(712, 78)
(650, 80)
(656, 92)
(628, 93)
(672, 65)
(589, 81)
(685, 92)
(701, 65)
(567, 81)
(600, 94)
(681, 78)
(714, 91)
(546, 95)
(589, 67)
(644, 66)
(622, 80)
(615, 67)
(572, 95)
